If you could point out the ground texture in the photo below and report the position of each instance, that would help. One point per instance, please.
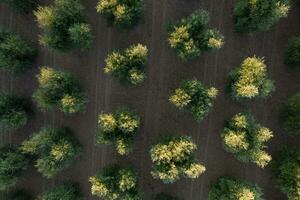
(164, 72)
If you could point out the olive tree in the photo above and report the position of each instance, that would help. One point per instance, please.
(64, 191)
(14, 111)
(191, 36)
(59, 89)
(16, 54)
(25, 6)
(250, 80)
(247, 139)
(286, 170)
(258, 15)
(119, 129)
(12, 165)
(173, 157)
(128, 65)
(230, 188)
(194, 97)
(116, 182)
(121, 13)
(64, 25)
(290, 115)
(53, 149)
(292, 56)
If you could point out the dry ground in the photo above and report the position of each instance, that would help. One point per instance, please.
(164, 72)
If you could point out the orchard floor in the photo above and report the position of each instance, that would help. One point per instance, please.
(164, 72)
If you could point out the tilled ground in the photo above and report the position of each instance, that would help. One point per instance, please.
(164, 73)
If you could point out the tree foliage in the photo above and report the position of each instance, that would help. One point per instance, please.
(118, 129)
(250, 80)
(115, 182)
(290, 114)
(287, 173)
(121, 13)
(258, 15)
(14, 111)
(194, 97)
(16, 54)
(21, 5)
(163, 196)
(64, 25)
(54, 149)
(128, 65)
(59, 89)
(12, 165)
(230, 188)
(246, 139)
(173, 157)
(65, 191)
(292, 56)
(191, 36)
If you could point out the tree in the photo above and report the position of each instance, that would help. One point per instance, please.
(163, 196)
(286, 170)
(59, 89)
(64, 24)
(16, 54)
(194, 97)
(12, 163)
(290, 115)
(115, 182)
(19, 195)
(121, 13)
(173, 157)
(14, 111)
(128, 65)
(190, 36)
(230, 188)
(292, 56)
(53, 148)
(118, 129)
(65, 191)
(21, 5)
(258, 15)
(246, 139)
(250, 80)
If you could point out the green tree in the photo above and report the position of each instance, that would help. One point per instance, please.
(292, 56)
(121, 13)
(194, 97)
(258, 15)
(250, 80)
(54, 149)
(14, 111)
(59, 89)
(190, 36)
(21, 5)
(230, 188)
(64, 25)
(115, 182)
(128, 65)
(173, 157)
(19, 195)
(16, 54)
(246, 139)
(290, 115)
(118, 129)
(286, 170)
(163, 196)
(12, 165)
(65, 191)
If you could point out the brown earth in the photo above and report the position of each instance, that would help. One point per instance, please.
(164, 72)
